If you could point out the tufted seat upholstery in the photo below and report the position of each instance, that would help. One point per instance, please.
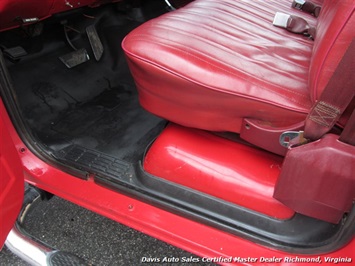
(213, 63)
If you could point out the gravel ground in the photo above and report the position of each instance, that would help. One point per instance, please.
(96, 239)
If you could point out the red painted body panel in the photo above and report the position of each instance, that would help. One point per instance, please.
(199, 239)
(192, 236)
(12, 11)
(219, 167)
(64, 5)
(11, 180)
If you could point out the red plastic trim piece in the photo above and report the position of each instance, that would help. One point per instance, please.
(222, 168)
(318, 179)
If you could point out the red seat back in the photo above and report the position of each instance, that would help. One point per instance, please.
(335, 31)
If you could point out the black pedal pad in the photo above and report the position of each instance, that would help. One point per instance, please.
(75, 58)
(95, 42)
(15, 53)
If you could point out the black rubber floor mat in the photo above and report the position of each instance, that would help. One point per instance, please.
(111, 97)
(78, 120)
(93, 162)
(94, 105)
(85, 117)
(112, 122)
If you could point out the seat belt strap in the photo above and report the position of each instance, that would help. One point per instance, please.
(334, 99)
(307, 6)
(348, 134)
(294, 24)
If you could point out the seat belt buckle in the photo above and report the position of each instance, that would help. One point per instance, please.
(290, 139)
(307, 6)
(298, 4)
(294, 24)
(281, 20)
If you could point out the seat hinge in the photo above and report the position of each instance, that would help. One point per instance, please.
(291, 139)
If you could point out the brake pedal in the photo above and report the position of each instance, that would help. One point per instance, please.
(95, 42)
(75, 58)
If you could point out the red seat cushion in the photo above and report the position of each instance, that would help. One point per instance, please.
(215, 62)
